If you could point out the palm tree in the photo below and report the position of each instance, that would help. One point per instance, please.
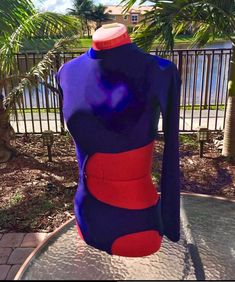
(83, 9)
(99, 16)
(19, 20)
(210, 19)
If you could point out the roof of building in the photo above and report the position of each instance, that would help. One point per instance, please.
(118, 10)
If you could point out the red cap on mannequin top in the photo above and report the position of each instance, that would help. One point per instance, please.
(109, 36)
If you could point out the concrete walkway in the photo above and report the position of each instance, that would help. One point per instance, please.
(188, 121)
(14, 249)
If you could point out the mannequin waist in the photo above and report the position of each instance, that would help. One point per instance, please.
(122, 179)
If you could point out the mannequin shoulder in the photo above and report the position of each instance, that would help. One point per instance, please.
(161, 69)
(161, 63)
(71, 64)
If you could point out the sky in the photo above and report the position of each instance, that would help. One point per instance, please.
(60, 6)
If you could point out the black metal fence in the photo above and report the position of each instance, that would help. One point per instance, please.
(204, 74)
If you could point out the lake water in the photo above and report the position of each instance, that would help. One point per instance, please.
(204, 74)
(193, 73)
(218, 45)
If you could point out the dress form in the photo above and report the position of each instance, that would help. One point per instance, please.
(111, 95)
(107, 37)
(110, 36)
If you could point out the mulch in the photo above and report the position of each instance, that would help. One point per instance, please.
(37, 195)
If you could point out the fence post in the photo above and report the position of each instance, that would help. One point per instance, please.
(208, 68)
(57, 62)
(180, 52)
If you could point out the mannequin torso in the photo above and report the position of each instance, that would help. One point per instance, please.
(111, 99)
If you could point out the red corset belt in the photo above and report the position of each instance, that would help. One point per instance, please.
(123, 179)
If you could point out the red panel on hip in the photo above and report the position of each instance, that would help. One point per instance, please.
(137, 244)
(79, 231)
(123, 179)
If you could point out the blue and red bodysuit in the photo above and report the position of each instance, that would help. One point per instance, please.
(111, 103)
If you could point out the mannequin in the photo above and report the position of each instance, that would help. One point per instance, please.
(111, 98)
(110, 36)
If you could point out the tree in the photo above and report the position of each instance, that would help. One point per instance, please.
(83, 9)
(99, 16)
(19, 20)
(210, 19)
(88, 13)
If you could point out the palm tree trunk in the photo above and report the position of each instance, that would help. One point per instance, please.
(229, 131)
(98, 24)
(88, 28)
(6, 131)
(83, 27)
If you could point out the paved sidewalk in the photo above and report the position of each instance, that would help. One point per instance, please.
(213, 118)
(14, 249)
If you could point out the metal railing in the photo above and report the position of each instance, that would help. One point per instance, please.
(204, 74)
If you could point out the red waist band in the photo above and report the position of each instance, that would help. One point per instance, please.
(122, 179)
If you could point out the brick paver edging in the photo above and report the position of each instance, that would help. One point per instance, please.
(14, 250)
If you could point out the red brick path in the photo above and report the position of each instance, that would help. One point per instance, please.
(14, 249)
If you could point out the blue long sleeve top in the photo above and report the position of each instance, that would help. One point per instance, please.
(111, 104)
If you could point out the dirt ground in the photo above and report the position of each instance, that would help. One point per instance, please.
(37, 195)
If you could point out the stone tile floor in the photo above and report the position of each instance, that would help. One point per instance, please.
(14, 250)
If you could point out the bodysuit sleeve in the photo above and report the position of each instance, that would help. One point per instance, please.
(169, 100)
(57, 78)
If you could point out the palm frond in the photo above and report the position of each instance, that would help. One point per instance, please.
(13, 13)
(37, 74)
(156, 25)
(40, 25)
(203, 35)
(167, 19)
(127, 4)
(143, 37)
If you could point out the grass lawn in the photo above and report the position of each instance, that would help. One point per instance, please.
(46, 44)
(53, 110)
(197, 107)
(85, 43)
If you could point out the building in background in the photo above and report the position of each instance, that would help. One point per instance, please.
(129, 19)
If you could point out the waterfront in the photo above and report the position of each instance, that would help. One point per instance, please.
(204, 74)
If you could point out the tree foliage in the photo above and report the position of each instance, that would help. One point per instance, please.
(88, 12)
(37, 74)
(167, 19)
(99, 16)
(208, 19)
(19, 20)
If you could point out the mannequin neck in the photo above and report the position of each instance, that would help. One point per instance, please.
(111, 43)
(110, 36)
